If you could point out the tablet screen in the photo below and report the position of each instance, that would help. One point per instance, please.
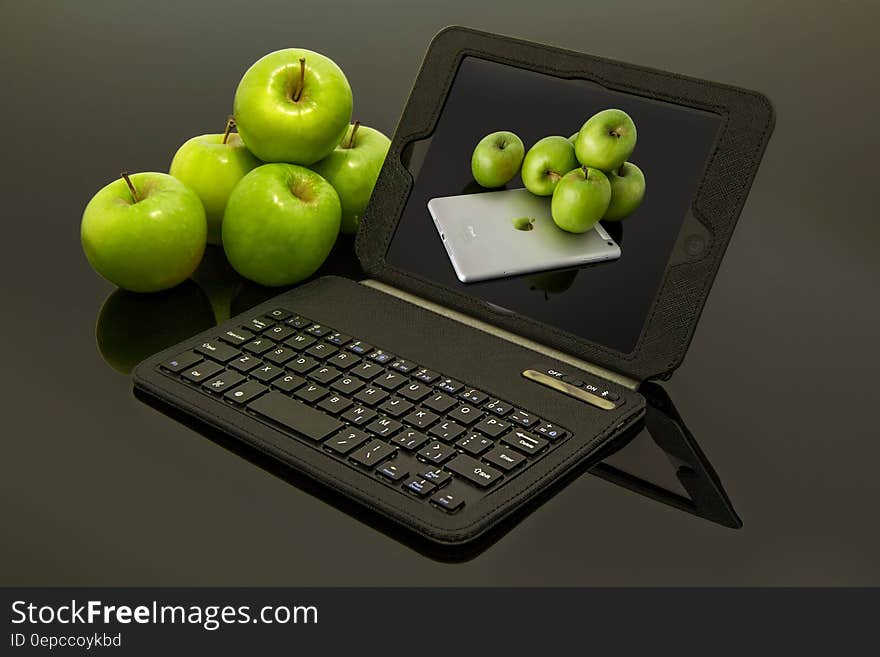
(608, 302)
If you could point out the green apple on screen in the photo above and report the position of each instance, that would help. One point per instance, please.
(580, 200)
(353, 168)
(292, 106)
(145, 232)
(627, 191)
(280, 223)
(497, 159)
(211, 165)
(545, 164)
(606, 140)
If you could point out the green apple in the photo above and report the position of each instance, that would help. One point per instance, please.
(497, 158)
(145, 232)
(292, 105)
(211, 165)
(580, 199)
(280, 223)
(627, 191)
(131, 326)
(573, 138)
(545, 164)
(606, 140)
(353, 168)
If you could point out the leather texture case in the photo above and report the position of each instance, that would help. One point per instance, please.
(747, 123)
(435, 342)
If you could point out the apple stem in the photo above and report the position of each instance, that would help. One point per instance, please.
(354, 129)
(302, 80)
(127, 179)
(586, 172)
(230, 124)
(620, 170)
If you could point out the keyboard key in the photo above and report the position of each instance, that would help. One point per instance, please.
(371, 396)
(392, 471)
(436, 452)
(279, 314)
(436, 476)
(288, 382)
(475, 472)
(311, 393)
(447, 430)
(258, 346)
(526, 442)
(279, 332)
(181, 361)
(266, 372)
(300, 341)
(410, 439)
(359, 347)
(426, 376)
(299, 322)
(318, 330)
(245, 392)
(395, 407)
(202, 371)
(498, 407)
(359, 415)
(245, 363)
(346, 440)
(492, 427)
(448, 501)
(415, 391)
(321, 350)
(474, 444)
(218, 351)
(280, 355)
(420, 486)
(373, 453)
(450, 385)
(302, 364)
(381, 357)
(335, 404)
(223, 381)
(474, 396)
(440, 402)
(465, 414)
(404, 366)
(550, 431)
(236, 338)
(324, 374)
(343, 360)
(295, 416)
(339, 339)
(504, 458)
(258, 324)
(390, 380)
(522, 418)
(348, 385)
(384, 427)
(421, 418)
(366, 370)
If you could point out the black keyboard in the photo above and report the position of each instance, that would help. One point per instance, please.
(428, 436)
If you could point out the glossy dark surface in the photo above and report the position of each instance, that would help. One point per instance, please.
(778, 388)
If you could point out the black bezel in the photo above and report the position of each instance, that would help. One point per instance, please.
(747, 122)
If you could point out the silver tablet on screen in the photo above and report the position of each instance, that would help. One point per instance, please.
(510, 232)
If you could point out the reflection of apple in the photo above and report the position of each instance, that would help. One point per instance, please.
(353, 168)
(145, 232)
(293, 105)
(545, 164)
(627, 191)
(606, 140)
(497, 158)
(280, 223)
(218, 280)
(580, 200)
(132, 326)
(211, 165)
(552, 282)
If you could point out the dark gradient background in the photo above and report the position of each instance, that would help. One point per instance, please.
(779, 386)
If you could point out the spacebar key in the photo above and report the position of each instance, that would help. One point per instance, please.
(295, 415)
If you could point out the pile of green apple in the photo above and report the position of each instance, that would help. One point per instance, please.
(275, 194)
(587, 174)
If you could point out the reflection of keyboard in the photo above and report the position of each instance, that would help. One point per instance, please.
(420, 432)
